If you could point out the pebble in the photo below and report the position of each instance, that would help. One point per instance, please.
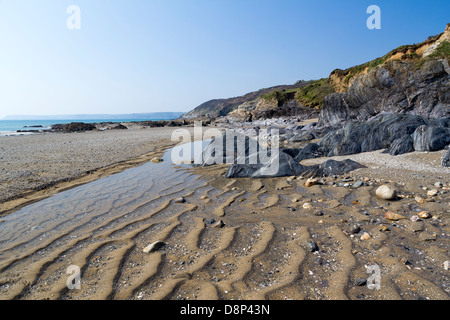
(365, 236)
(154, 246)
(355, 229)
(393, 216)
(447, 265)
(180, 200)
(432, 192)
(312, 246)
(438, 184)
(307, 205)
(415, 218)
(357, 184)
(218, 224)
(424, 215)
(156, 160)
(386, 192)
(311, 181)
(419, 199)
(360, 282)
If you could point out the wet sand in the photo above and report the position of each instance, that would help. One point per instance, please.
(33, 167)
(261, 252)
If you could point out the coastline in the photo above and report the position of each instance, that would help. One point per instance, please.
(30, 172)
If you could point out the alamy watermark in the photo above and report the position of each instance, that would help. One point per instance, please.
(73, 22)
(374, 21)
(74, 279)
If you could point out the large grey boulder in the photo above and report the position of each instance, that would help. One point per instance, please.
(446, 159)
(428, 138)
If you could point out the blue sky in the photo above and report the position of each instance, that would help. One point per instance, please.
(172, 55)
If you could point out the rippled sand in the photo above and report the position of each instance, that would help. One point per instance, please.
(260, 253)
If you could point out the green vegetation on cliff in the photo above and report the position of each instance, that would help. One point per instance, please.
(312, 95)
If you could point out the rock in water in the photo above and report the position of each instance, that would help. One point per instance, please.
(156, 160)
(154, 246)
(386, 192)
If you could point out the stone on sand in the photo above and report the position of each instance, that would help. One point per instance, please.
(386, 192)
(154, 246)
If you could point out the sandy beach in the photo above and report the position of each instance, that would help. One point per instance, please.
(36, 166)
(271, 238)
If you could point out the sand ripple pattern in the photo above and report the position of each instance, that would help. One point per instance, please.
(260, 253)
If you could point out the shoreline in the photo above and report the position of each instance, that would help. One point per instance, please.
(63, 161)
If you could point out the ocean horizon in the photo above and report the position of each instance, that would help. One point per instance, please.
(11, 126)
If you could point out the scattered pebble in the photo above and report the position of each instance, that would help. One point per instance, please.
(312, 246)
(311, 181)
(424, 215)
(154, 246)
(156, 160)
(360, 282)
(365, 236)
(218, 224)
(386, 192)
(393, 216)
(180, 200)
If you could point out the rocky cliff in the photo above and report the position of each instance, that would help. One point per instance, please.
(412, 79)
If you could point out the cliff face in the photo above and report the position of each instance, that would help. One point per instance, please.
(411, 79)
(397, 86)
(222, 107)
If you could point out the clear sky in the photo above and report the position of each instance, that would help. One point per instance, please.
(171, 55)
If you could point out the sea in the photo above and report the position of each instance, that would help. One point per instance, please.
(8, 127)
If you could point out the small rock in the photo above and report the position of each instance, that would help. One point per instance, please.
(424, 215)
(386, 192)
(365, 236)
(360, 282)
(446, 265)
(355, 229)
(156, 160)
(180, 200)
(414, 218)
(357, 184)
(432, 192)
(393, 216)
(407, 263)
(438, 184)
(218, 224)
(311, 181)
(419, 199)
(154, 246)
(307, 205)
(204, 197)
(209, 221)
(312, 246)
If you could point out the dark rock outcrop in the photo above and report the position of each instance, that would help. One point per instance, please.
(427, 138)
(395, 87)
(378, 133)
(446, 159)
(74, 127)
(401, 145)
